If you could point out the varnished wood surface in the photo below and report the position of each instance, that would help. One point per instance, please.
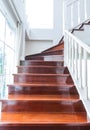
(40, 63)
(42, 97)
(43, 126)
(43, 90)
(21, 118)
(43, 69)
(56, 50)
(42, 74)
(47, 58)
(56, 47)
(41, 85)
(77, 29)
(53, 52)
(35, 58)
(53, 58)
(43, 106)
(43, 78)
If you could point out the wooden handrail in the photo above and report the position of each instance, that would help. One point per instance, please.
(80, 26)
(80, 29)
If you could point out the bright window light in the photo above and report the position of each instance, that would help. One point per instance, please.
(40, 13)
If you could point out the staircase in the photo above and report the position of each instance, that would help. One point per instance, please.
(43, 97)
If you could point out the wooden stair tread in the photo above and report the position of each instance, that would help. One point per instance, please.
(42, 78)
(42, 69)
(43, 118)
(41, 66)
(43, 97)
(37, 74)
(60, 106)
(40, 84)
(42, 61)
(38, 60)
(36, 56)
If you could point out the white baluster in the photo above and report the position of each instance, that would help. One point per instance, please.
(76, 63)
(65, 49)
(69, 51)
(72, 55)
(85, 72)
(80, 66)
(70, 46)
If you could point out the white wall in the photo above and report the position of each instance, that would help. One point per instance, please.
(41, 39)
(58, 21)
(41, 34)
(37, 46)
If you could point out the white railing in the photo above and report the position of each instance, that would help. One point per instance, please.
(77, 59)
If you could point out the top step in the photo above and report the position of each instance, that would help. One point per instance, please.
(44, 121)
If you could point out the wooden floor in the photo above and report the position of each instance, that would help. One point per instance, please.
(43, 97)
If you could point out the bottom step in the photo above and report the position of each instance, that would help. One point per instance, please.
(44, 121)
(20, 118)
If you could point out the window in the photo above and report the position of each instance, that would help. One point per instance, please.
(40, 13)
(7, 53)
